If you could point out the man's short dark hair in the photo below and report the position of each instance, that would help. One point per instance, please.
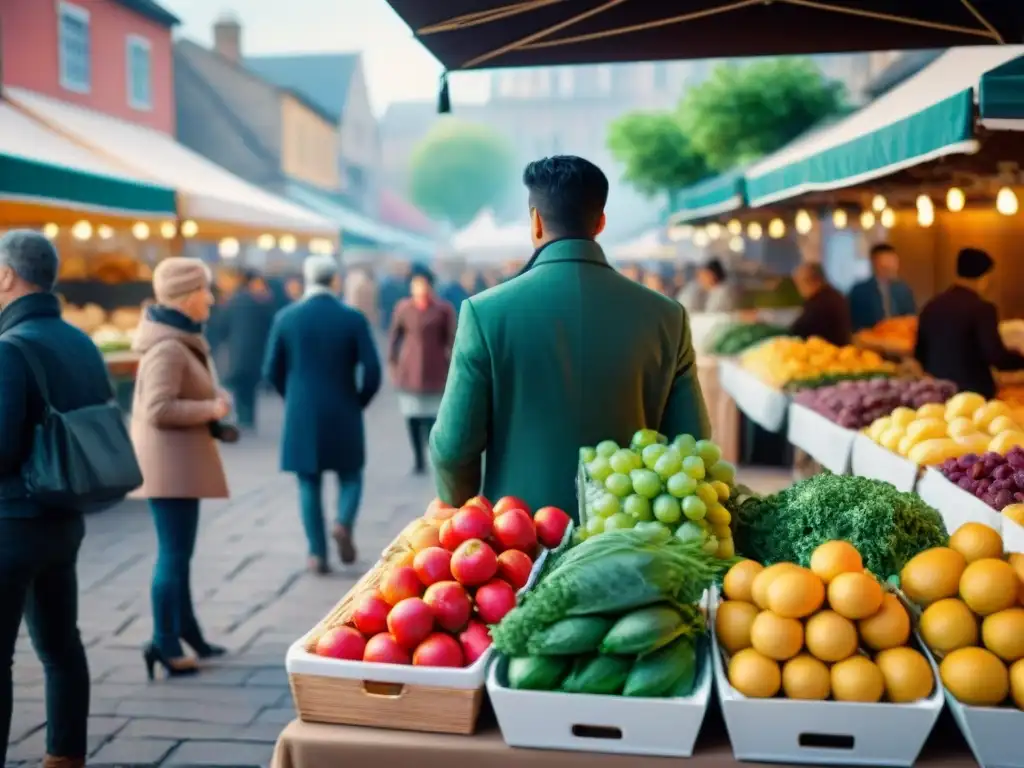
(880, 248)
(31, 256)
(569, 193)
(250, 276)
(714, 266)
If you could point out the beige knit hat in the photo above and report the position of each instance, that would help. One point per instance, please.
(179, 276)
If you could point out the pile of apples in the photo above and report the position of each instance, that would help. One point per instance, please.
(466, 566)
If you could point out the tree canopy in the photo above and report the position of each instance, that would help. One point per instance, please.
(657, 155)
(458, 169)
(743, 112)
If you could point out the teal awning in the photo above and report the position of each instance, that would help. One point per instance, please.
(1001, 92)
(929, 116)
(39, 166)
(711, 197)
(356, 228)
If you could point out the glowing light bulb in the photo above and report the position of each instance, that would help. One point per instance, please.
(735, 227)
(1006, 202)
(888, 218)
(82, 230)
(104, 232)
(840, 218)
(955, 199)
(867, 220)
(228, 247)
(754, 230)
(776, 228)
(189, 228)
(879, 203)
(804, 223)
(714, 230)
(140, 230)
(287, 243)
(168, 230)
(925, 216)
(266, 242)
(700, 238)
(736, 244)
(923, 201)
(50, 231)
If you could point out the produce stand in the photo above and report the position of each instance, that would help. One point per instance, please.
(869, 459)
(823, 440)
(956, 505)
(762, 404)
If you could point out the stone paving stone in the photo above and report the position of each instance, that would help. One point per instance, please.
(279, 715)
(221, 753)
(226, 713)
(133, 752)
(173, 729)
(271, 677)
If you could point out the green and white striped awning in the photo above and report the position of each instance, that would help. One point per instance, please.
(1001, 96)
(929, 116)
(711, 197)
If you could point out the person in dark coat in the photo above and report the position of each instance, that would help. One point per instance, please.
(317, 347)
(244, 325)
(38, 543)
(394, 287)
(958, 332)
(826, 313)
(883, 295)
(455, 291)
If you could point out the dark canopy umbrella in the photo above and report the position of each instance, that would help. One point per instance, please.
(475, 34)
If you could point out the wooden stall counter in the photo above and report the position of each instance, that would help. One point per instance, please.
(308, 745)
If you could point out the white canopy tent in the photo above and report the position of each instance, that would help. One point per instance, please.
(650, 246)
(484, 241)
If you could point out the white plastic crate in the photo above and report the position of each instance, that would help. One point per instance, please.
(1013, 535)
(824, 732)
(869, 459)
(824, 441)
(762, 404)
(622, 725)
(956, 505)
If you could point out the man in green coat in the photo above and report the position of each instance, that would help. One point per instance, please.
(566, 354)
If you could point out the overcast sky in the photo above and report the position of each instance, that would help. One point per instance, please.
(398, 68)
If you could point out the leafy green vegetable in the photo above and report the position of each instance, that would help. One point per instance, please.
(609, 574)
(830, 379)
(738, 337)
(571, 636)
(647, 629)
(886, 526)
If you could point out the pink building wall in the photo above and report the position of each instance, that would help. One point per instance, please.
(30, 57)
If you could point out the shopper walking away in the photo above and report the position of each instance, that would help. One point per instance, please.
(958, 335)
(317, 348)
(174, 418)
(419, 350)
(825, 313)
(245, 325)
(39, 543)
(455, 291)
(568, 354)
(883, 295)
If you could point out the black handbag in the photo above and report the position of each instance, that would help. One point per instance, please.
(78, 457)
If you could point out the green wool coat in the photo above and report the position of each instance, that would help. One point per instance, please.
(565, 355)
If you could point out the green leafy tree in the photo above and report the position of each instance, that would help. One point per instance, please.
(458, 169)
(743, 112)
(657, 155)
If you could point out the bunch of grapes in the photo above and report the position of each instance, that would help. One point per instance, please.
(856, 404)
(677, 487)
(995, 479)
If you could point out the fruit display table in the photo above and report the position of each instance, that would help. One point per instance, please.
(722, 410)
(307, 745)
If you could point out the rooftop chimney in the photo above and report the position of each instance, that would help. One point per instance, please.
(227, 37)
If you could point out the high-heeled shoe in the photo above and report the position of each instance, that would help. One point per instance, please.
(205, 650)
(179, 667)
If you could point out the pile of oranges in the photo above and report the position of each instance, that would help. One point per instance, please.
(828, 631)
(973, 616)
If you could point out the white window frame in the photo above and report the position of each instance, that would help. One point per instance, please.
(131, 43)
(82, 15)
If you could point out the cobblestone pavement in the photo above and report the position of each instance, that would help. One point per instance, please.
(252, 595)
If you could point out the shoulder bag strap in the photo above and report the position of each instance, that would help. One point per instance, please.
(34, 366)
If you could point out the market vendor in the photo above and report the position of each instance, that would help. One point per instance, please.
(719, 295)
(825, 313)
(568, 354)
(883, 295)
(958, 333)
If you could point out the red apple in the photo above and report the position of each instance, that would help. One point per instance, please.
(551, 523)
(384, 649)
(400, 583)
(450, 604)
(410, 622)
(474, 563)
(447, 536)
(438, 650)
(471, 522)
(493, 600)
(505, 503)
(514, 567)
(482, 502)
(514, 530)
(433, 565)
(371, 614)
(341, 643)
(438, 511)
(475, 640)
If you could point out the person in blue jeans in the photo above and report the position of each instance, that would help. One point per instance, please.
(322, 360)
(177, 402)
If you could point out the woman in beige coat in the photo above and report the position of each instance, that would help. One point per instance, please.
(177, 401)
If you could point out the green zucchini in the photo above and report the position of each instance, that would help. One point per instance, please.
(569, 637)
(600, 674)
(668, 671)
(644, 630)
(537, 673)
